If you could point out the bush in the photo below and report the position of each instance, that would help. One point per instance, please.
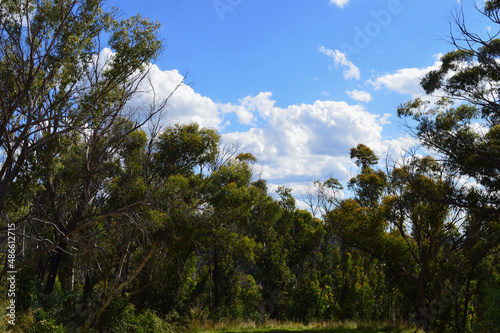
(491, 311)
(122, 317)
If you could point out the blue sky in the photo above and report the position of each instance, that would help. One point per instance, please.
(298, 83)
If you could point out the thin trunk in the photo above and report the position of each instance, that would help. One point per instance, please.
(457, 317)
(216, 280)
(115, 291)
(211, 278)
(72, 276)
(466, 305)
(87, 287)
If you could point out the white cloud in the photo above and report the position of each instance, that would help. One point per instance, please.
(295, 145)
(309, 140)
(383, 120)
(247, 106)
(350, 70)
(185, 105)
(394, 151)
(339, 3)
(404, 81)
(359, 95)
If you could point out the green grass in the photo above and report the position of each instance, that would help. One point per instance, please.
(288, 327)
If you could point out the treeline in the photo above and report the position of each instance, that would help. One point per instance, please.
(113, 222)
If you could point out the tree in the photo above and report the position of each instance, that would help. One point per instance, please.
(57, 82)
(424, 232)
(180, 148)
(463, 130)
(369, 184)
(55, 77)
(403, 219)
(74, 165)
(467, 136)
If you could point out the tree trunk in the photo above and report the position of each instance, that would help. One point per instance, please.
(423, 318)
(466, 306)
(55, 262)
(216, 280)
(115, 290)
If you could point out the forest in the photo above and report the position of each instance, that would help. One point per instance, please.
(112, 221)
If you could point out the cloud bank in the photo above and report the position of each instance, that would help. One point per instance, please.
(295, 144)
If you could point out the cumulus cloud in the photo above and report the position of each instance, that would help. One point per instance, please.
(308, 140)
(359, 95)
(384, 119)
(339, 3)
(404, 81)
(295, 145)
(351, 71)
(185, 105)
(247, 106)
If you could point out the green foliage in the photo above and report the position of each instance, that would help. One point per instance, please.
(125, 231)
(180, 148)
(363, 156)
(122, 316)
(465, 135)
(491, 308)
(48, 325)
(369, 184)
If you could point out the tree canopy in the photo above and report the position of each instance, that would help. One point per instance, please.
(119, 229)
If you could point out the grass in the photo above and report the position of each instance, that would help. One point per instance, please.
(284, 327)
